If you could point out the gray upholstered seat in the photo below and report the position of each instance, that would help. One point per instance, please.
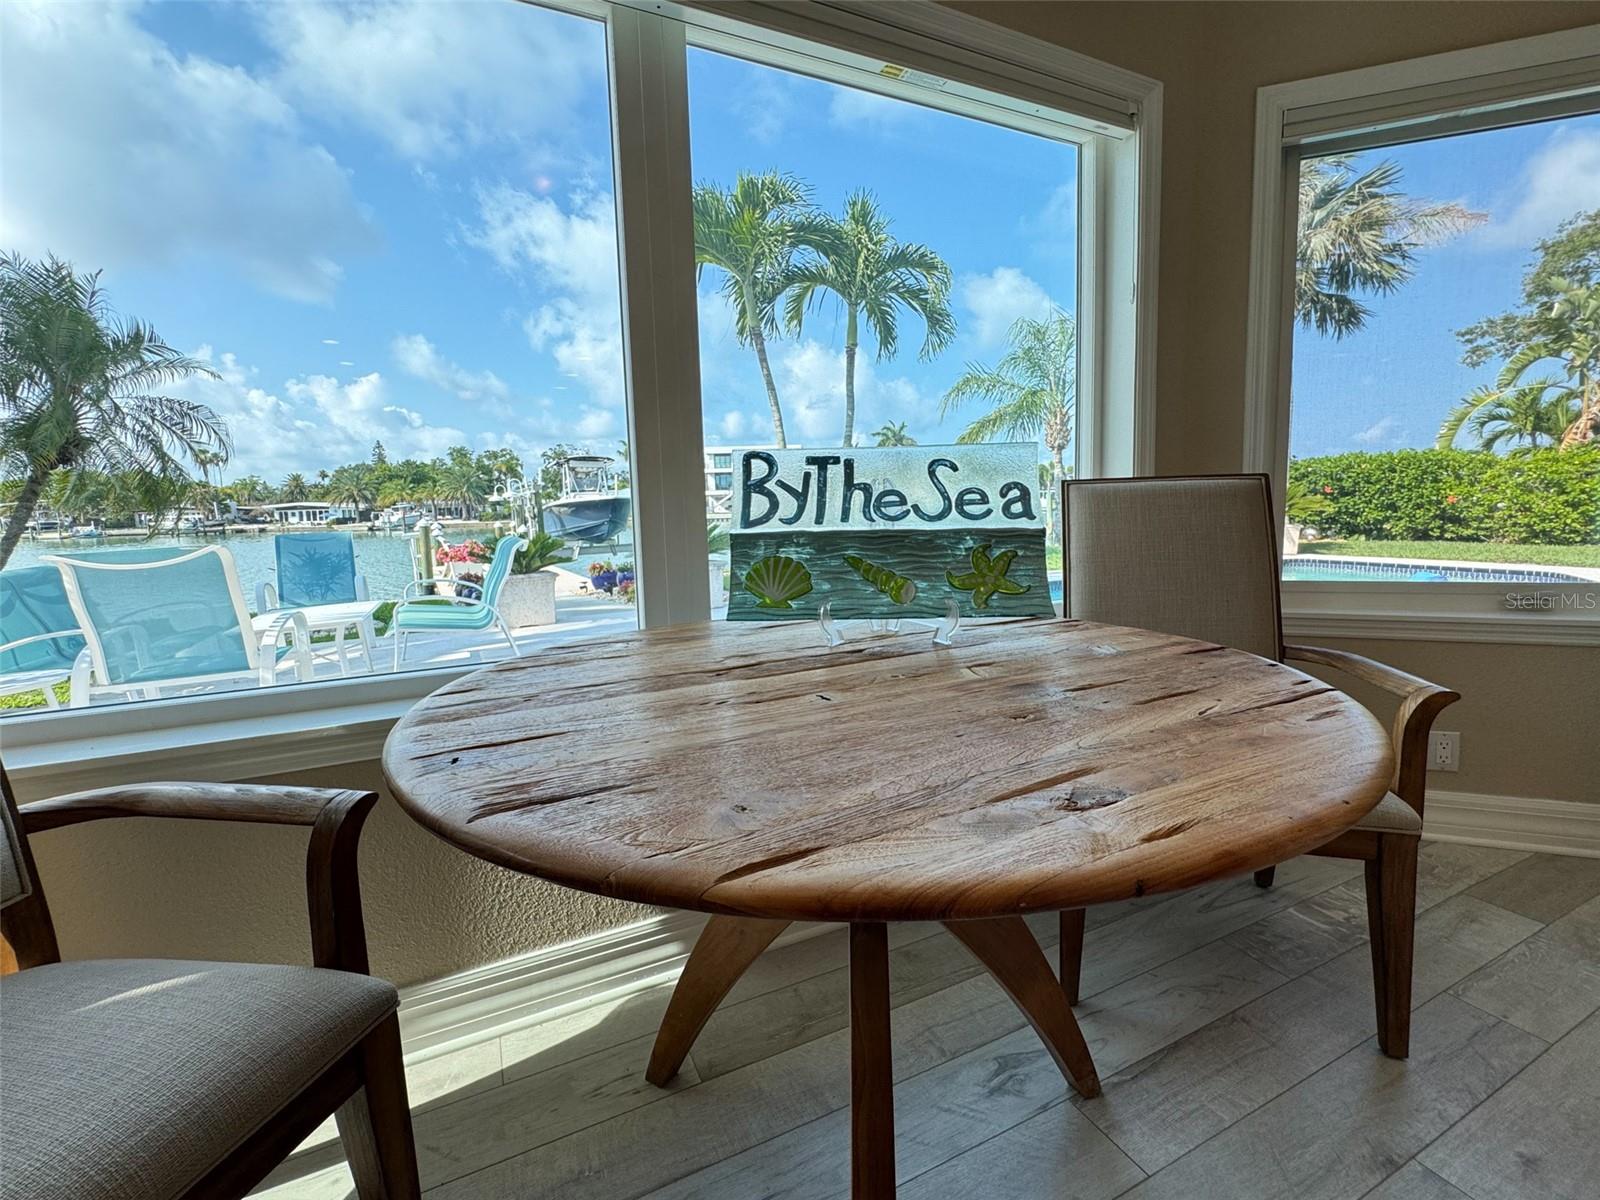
(127, 1079)
(1393, 815)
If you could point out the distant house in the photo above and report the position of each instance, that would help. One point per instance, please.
(297, 512)
(719, 467)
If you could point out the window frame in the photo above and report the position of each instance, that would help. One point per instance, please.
(1439, 95)
(304, 726)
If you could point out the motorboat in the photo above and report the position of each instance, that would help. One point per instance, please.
(590, 508)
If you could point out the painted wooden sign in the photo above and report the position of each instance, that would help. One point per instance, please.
(891, 532)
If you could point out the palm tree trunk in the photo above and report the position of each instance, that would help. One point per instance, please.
(851, 340)
(1053, 507)
(22, 512)
(759, 341)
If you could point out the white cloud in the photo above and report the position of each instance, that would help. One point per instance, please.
(571, 254)
(1385, 431)
(998, 299)
(118, 152)
(418, 357)
(858, 110)
(1054, 228)
(810, 381)
(733, 425)
(763, 110)
(317, 422)
(434, 78)
(1560, 181)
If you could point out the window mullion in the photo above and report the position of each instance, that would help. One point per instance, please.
(655, 235)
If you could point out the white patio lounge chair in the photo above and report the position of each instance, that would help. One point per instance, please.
(175, 625)
(316, 576)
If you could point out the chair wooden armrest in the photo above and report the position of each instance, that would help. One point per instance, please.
(333, 889)
(1420, 703)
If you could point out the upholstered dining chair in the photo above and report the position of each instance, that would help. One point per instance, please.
(1197, 556)
(127, 1079)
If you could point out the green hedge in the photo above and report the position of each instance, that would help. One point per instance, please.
(1548, 496)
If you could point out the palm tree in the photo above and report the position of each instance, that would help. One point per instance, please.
(1031, 392)
(465, 483)
(1521, 415)
(748, 233)
(1359, 233)
(294, 488)
(873, 276)
(1568, 333)
(351, 487)
(78, 387)
(893, 433)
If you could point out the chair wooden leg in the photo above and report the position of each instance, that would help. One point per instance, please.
(1391, 922)
(375, 1123)
(1264, 876)
(1072, 953)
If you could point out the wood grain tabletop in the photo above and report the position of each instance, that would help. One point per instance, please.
(752, 770)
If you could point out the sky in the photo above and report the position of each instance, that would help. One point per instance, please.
(393, 221)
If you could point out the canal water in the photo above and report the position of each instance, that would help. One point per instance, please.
(384, 558)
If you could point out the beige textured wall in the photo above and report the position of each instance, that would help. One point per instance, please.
(185, 890)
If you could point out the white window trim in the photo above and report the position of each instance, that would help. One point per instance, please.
(1370, 100)
(299, 727)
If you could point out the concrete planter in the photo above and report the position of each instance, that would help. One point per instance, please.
(529, 600)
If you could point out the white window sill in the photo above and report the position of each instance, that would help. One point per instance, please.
(223, 737)
(1444, 612)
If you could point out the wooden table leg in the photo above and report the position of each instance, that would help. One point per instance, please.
(726, 948)
(1005, 946)
(871, 1066)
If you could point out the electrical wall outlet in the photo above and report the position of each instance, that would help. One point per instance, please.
(1444, 751)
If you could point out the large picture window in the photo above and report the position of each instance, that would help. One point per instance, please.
(382, 362)
(1424, 379)
(1445, 418)
(343, 327)
(876, 272)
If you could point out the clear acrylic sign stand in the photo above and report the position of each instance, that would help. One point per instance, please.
(943, 630)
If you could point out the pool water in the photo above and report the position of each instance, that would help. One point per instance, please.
(1344, 570)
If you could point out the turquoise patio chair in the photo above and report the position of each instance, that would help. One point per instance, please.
(39, 635)
(316, 575)
(429, 614)
(175, 623)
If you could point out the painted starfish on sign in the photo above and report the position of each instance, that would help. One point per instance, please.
(988, 576)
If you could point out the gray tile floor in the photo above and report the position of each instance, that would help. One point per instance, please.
(1232, 1027)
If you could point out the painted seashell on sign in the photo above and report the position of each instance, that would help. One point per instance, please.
(776, 580)
(897, 587)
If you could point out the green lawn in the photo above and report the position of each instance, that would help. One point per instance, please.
(1549, 556)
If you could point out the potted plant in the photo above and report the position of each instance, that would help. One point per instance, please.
(529, 595)
(464, 563)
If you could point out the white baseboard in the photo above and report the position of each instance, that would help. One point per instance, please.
(487, 1001)
(1513, 822)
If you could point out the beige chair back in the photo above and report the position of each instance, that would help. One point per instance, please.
(1195, 556)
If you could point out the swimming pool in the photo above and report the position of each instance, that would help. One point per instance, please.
(1362, 571)
(1401, 571)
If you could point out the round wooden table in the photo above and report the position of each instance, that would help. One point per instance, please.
(751, 772)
